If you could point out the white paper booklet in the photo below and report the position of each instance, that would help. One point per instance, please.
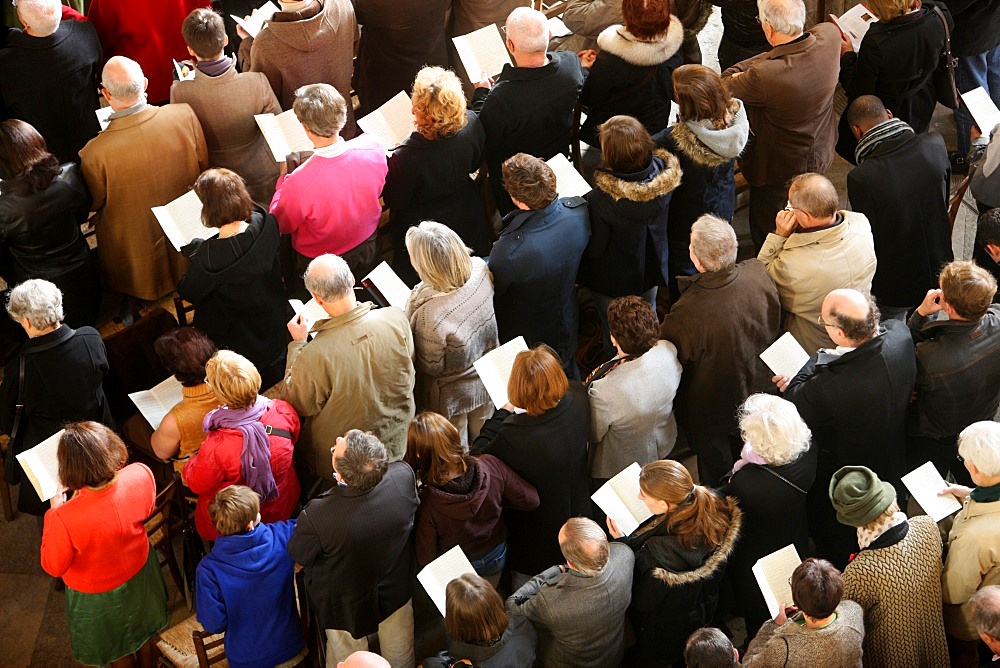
(569, 182)
(103, 115)
(392, 122)
(283, 134)
(785, 356)
(390, 286)
(557, 27)
(494, 369)
(255, 22)
(41, 465)
(310, 309)
(156, 402)
(184, 71)
(436, 575)
(619, 499)
(482, 51)
(773, 573)
(924, 483)
(983, 110)
(181, 220)
(855, 23)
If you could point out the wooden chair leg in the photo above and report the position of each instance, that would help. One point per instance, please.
(175, 571)
(9, 512)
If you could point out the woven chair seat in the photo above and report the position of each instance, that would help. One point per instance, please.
(177, 645)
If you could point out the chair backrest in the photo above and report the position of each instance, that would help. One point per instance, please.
(158, 523)
(133, 364)
(208, 647)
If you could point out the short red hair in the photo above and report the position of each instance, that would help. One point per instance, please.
(537, 380)
(646, 19)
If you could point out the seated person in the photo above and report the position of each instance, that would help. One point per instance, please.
(249, 571)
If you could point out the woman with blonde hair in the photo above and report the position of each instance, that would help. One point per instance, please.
(428, 175)
(680, 559)
(451, 315)
(250, 442)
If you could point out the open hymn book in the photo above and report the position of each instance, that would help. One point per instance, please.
(436, 575)
(283, 134)
(254, 23)
(181, 220)
(494, 369)
(482, 52)
(41, 466)
(569, 182)
(854, 23)
(392, 122)
(311, 310)
(156, 402)
(773, 574)
(619, 499)
(983, 110)
(387, 287)
(785, 357)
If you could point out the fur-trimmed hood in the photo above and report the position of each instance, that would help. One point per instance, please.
(709, 146)
(715, 560)
(643, 191)
(620, 42)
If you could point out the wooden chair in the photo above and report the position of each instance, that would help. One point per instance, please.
(9, 511)
(183, 309)
(188, 645)
(955, 202)
(159, 528)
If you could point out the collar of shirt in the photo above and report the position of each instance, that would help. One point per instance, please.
(134, 109)
(332, 150)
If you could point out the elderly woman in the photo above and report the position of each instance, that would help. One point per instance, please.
(115, 596)
(451, 315)
(56, 378)
(896, 577)
(234, 279)
(777, 466)
(42, 205)
(250, 441)
(428, 175)
(479, 629)
(542, 435)
(632, 396)
(680, 558)
(825, 631)
(462, 498)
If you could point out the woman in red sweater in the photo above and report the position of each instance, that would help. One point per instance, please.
(240, 449)
(115, 596)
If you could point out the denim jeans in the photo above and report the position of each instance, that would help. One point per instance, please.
(492, 562)
(972, 72)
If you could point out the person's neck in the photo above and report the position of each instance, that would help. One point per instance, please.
(231, 229)
(31, 31)
(35, 333)
(780, 38)
(818, 623)
(532, 60)
(118, 105)
(341, 306)
(323, 142)
(294, 5)
(817, 224)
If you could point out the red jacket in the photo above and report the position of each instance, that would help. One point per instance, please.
(217, 465)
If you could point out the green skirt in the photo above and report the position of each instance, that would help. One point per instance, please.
(105, 627)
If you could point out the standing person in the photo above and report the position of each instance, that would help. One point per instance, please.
(95, 540)
(56, 376)
(234, 279)
(710, 132)
(451, 315)
(788, 95)
(428, 176)
(743, 36)
(680, 559)
(976, 43)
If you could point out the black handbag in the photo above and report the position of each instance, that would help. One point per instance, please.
(945, 90)
(10, 475)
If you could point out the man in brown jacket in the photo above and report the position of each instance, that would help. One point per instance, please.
(788, 94)
(148, 156)
(727, 315)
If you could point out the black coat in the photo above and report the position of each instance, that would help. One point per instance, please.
(63, 375)
(40, 238)
(550, 452)
(774, 515)
(235, 285)
(429, 179)
(51, 83)
(902, 188)
(977, 26)
(740, 25)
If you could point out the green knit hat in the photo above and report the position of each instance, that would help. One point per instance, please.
(859, 496)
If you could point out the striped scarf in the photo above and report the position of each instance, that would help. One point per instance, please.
(889, 129)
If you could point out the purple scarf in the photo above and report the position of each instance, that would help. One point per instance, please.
(255, 458)
(748, 456)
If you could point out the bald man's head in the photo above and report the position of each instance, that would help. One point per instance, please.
(40, 17)
(363, 660)
(123, 81)
(866, 112)
(329, 277)
(850, 315)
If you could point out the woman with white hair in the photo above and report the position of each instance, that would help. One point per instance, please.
(56, 379)
(776, 468)
(453, 322)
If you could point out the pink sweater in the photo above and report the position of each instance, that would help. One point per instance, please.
(331, 204)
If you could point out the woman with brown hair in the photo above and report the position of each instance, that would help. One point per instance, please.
(428, 175)
(711, 131)
(234, 279)
(42, 205)
(95, 540)
(541, 433)
(462, 498)
(680, 558)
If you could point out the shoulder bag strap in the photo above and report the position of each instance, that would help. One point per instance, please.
(19, 406)
(784, 479)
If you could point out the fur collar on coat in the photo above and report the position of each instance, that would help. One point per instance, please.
(620, 42)
(643, 191)
(715, 560)
(711, 147)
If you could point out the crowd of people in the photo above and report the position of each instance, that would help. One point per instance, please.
(363, 444)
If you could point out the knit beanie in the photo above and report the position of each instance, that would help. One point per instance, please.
(859, 496)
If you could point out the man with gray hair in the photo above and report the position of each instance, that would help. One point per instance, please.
(330, 204)
(529, 109)
(727, 314)
(48, 77)
(985, 605)
(578, 608)
(148, 156)
(356, 372)
(788, 94)
(355, 544)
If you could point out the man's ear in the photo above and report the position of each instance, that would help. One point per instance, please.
(993, 250)
(857, 131)
(145, 83)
